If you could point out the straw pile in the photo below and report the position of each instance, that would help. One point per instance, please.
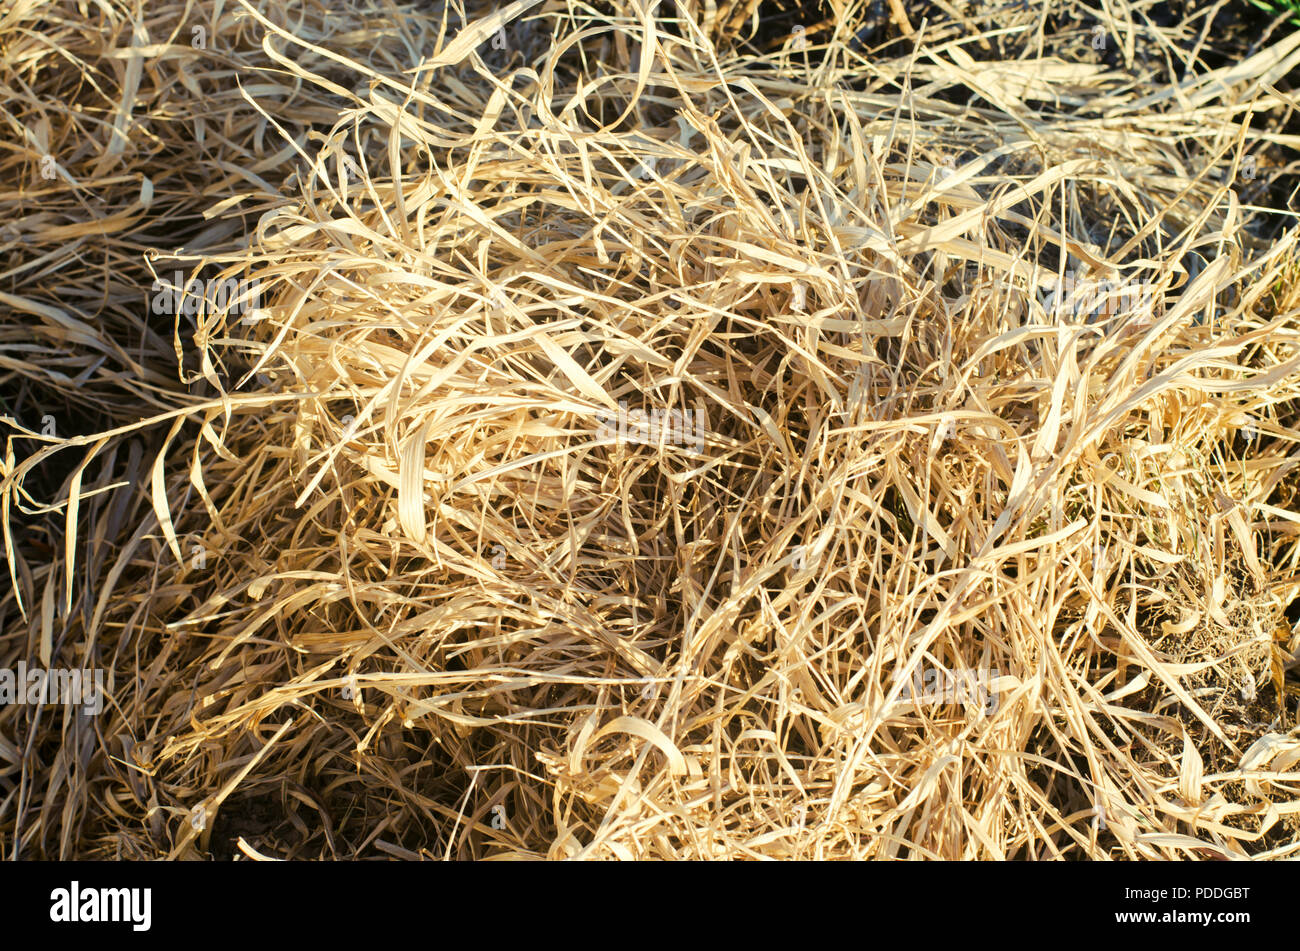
(599, 420)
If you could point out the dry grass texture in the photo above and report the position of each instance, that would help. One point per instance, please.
(368, 577)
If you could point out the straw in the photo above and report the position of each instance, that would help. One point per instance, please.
(648, 434)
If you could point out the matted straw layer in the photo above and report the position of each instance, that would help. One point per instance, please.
(627, 442)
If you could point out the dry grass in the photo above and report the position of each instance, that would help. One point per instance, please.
(366, 574)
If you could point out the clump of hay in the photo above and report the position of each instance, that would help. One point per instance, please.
(978, 547)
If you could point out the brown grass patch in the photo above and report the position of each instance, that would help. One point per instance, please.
(368, 577)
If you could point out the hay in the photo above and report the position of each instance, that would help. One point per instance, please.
(639, 435)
